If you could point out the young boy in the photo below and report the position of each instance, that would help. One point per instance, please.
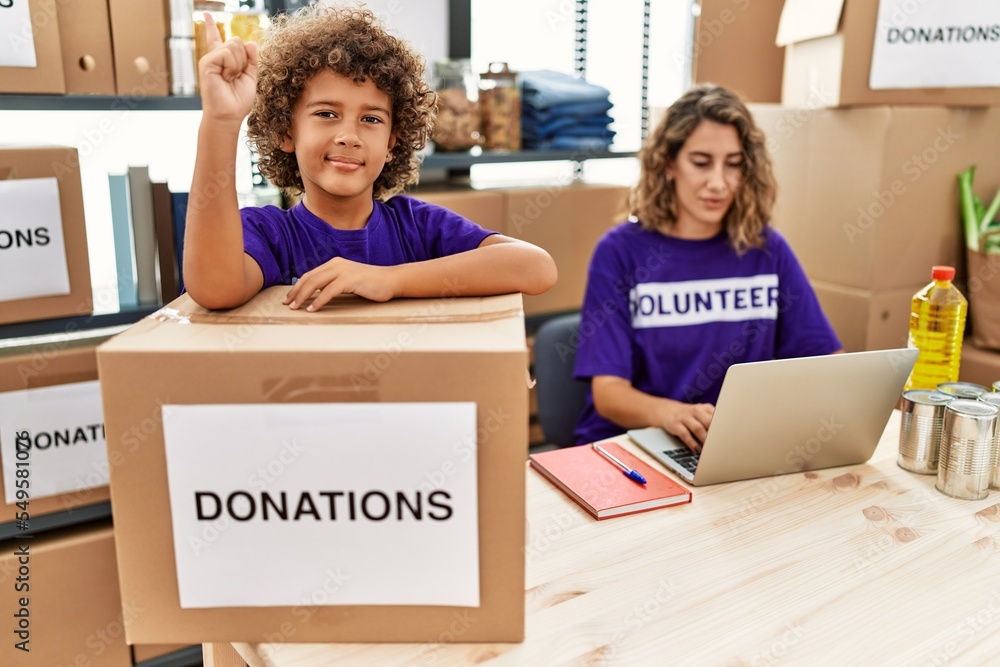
(339, 110)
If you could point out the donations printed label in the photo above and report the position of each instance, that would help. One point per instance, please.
(32, 250)
(17, 36)
(62, 428)
(366, 503)
(922, 44)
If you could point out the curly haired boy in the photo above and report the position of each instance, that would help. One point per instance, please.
(338, 109)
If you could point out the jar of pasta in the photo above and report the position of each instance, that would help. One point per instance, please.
(500, 108)
(457, 126)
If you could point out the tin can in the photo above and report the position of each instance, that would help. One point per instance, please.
(969, 390)
(993, 398)
(966, 449)
(920, 430)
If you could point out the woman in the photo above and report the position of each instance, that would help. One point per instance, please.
(694, 281)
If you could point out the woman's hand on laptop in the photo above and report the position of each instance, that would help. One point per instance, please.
(687, 421)
(617, 400)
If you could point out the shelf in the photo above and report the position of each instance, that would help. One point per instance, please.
(185, 657)
(97, 103)
(63, 325)
(40, 524)
(464, 160)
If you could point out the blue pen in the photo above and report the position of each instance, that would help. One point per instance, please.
(628, 472)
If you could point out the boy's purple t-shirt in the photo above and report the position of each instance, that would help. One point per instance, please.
(288, 243)
(671, 315)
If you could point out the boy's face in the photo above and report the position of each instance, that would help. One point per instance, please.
(341, 133)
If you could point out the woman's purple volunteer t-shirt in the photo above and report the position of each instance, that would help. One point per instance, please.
(671, 315)
(288, 243)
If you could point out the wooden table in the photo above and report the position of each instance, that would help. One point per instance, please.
(865, 565)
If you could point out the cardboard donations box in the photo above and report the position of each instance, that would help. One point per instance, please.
(44, 264)
(862, 52)
(728, 32)
(62, 604)
(30, 54)
(866, 320)
(868, 197)
(355, 474)
(52, 451)
(567, 221)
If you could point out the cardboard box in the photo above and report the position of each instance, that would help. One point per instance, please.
(486, 208)
(30, 55)
(75, 611)
(828, 58)
(979, 366)
(567, 221)
(867, 320)
(88, 64)
(734, 47)
(429, 351)
(29, 239)
(139, 41)
(868, 197)
(53, 365)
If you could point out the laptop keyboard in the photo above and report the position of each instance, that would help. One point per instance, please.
(684, 457)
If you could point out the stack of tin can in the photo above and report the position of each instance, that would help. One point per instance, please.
(953, 432)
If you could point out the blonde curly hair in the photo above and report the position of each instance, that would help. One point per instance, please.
(351, 42)
(653, 200)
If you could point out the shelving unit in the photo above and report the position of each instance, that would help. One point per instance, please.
(64, 325)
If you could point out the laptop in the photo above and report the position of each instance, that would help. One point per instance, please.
(790, 415)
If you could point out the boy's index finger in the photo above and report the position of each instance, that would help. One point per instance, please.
(212, 37)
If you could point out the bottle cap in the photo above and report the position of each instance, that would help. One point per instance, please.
(942, 272)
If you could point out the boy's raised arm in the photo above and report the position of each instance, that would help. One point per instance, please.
(217, 272)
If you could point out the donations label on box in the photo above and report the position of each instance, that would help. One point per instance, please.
(59, 431)
(936, 44)
(32, 250)
(17, 40)
(372, 503)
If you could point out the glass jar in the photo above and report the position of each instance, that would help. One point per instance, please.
(217, 10)
(500, 107)
(248, 19)
(457, 126)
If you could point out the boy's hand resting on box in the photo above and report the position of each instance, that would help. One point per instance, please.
(227, 76)
(342, 276)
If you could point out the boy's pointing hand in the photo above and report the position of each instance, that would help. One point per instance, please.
(227, 75)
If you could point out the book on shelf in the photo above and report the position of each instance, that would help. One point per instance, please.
(179, 201)
(166, 254)
(121, 228)
(600, 487)
(143, 235)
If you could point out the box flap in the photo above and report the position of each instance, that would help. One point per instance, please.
(808, 19)
(267, 308)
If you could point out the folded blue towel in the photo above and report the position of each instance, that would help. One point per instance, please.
(571, 109)
(569, 144)
(545, 88)
(556, 124)
(603, 132)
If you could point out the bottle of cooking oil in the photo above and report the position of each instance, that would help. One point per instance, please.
(937, 324)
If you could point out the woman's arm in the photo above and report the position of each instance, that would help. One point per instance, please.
(617, 400)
